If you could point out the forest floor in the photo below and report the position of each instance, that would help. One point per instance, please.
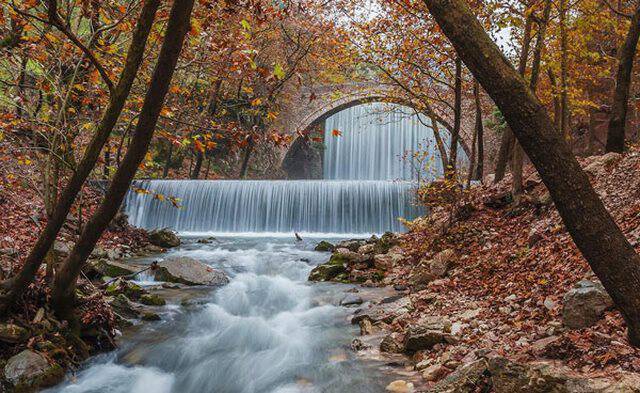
(487, 282)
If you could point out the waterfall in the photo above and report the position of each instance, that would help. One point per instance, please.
(380, 142)
(306, 206)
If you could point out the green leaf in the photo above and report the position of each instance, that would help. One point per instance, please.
(245, 25)
(278, 71)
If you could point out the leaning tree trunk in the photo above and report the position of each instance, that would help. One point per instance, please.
(63, 292)
(596, 235)
(17, 284)
(627, 53)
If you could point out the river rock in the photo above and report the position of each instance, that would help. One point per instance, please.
(29, 370)
(584, 305)
(434, 372)
(400, 386)
(328, 271)
(351, 245)
(390, 344)
(351, 300)
(164, 238)
(152, 300)
(13, 334)
(325, 246)
(469, 378)
(384, 244)
(439, 265)
(189, 271)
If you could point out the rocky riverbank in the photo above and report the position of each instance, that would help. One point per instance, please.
(37, 349)
(493, 296)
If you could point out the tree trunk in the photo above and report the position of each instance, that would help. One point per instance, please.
(479, 127)
(472, 159)
(167, 164)
(63, 292)
(596, 235)
(457, 108)
(16, 285)
(557, 105)
(247, 155)
(198, 165)
(620, 104)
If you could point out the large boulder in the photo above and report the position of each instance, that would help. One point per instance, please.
(324, 246)
(390, 344)
(109, 268)
(584, 305)
(13, 334)
(469, 378)
(164, 238)
(541, 377)
(28, 371)
(189, 271)
(351, 245)
(597, 164)
(439, 265)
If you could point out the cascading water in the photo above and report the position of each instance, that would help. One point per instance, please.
(317, 206)
(378, 142)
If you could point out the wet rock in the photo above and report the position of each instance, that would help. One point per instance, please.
(28, 371)
(189, 271)
(324, 246)
(400, 386)
(387, 261)
(150, 316)
(366, 327)
(328, 271)
(127, 288)
(390, 344)
(207, 240)
(164, 238)
(386, 242)
(358, 345)
(124, 307)
(351, 300)
(583, 305)
(152, 300)
(347, 256)
(13, 334)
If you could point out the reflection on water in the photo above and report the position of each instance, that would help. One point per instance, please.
(268, 330)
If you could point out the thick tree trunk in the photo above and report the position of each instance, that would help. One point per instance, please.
(557, 105)
(63, 292)
(198, 165)
(16, 285)
(620, 104)
(592, 228)
(457, 109)
(479, 127)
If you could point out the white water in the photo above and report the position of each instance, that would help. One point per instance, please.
(309, 206)
(374, 140)
(268, 330)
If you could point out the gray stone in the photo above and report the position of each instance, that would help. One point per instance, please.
(351, 245)
(30, 370)
(189, 271)
(164, 238)
(584, 305)
(426, 333)
(389, 344)
(351, 300)
(324, 246)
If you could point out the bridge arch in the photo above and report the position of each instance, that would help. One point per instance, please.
(319, 108)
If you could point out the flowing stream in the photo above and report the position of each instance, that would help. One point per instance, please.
(268, 330)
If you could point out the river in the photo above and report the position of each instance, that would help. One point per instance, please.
(268, 330)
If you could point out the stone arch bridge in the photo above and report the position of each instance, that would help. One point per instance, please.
(310, 107)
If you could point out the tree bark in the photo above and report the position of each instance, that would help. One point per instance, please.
(620, 104)
(247, 155)
(457, 109)
(596, 235)
(479, 127)
(63, 292)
